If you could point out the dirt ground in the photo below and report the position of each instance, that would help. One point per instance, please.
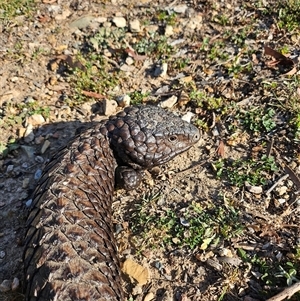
(196, 225)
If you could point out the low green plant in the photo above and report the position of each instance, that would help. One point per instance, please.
(253, 171)
(12, 8)
(166, 17)
(289, 14)
(138, 97)
(193, 226)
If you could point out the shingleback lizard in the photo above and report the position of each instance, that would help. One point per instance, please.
(70, 250)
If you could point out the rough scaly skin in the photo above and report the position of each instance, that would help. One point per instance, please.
(70, 251)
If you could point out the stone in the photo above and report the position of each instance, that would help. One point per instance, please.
(82, 22)
(35, 119)
(169, 103)
(5, 286)
(135, 26)
(124, 101)
(188, 116)
(136, 271)
(119, 21)
(110, 106)
(15, 284)
(29, 135)
(169, 31)
(46, 144)
(180, 9)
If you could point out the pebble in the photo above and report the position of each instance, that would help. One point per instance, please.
(5, 286)
(253, 189)
(38, 174)
(124, 101)
(119, 21)
(136, 271)
(28, 203)
(39, 159)
(25, 183)
(101, 19)
(109, 106)
(82, 22)
(169, 103)
(127, 68)
(129, 60)
(15, 284)
(35, 119)
(29, 150)
(29, 135)
(169, 31)
(9, 168)
(45, 146)
(150, 296)
(282, 190)
(135, 26)
(180, 9)
(188, 116)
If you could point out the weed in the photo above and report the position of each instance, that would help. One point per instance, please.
(193, 226)
(257, 120)
(138, 97)
(94, 77)
(202, 100)
(240, 171)
(167, 18)
(12, 8)
(289, 15)
(155, 45)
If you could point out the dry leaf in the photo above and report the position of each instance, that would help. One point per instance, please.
(93, 94)
(221, 149)
(279, 57)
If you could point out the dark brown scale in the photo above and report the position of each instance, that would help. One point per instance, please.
(70, 249)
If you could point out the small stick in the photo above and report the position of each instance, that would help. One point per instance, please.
(276, 184)
(287, 293)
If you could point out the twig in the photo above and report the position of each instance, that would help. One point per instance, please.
(276, 184)
(287, 293)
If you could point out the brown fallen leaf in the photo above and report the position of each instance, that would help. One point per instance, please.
(93, 94)
(279, 57)
(221, 149)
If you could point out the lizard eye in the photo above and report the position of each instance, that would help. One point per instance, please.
(173, 138)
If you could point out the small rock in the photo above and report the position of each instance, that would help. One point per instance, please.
(137, 290)
(28, 203)
(45, 146)
(149, 297)
(136, 271)
(9, 168)
(101, 19)
(281, 190)
(38, 174)
(29, 135)
(195, 22)
(109, 107)
(29, 150)
(169, 103)
(35, 119)
(39, 159)
(129, 60)
(52, 80)
(180, 9)
(15, 284)
(127, 68)
(25, 183)
(253, 189)
(169, 31)
(124, 101)
(5, 286)
(2, 254)
(135, 26)
(119, 21)
(188, 116)
(82, 22)
(39, 139)
(21, 132)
